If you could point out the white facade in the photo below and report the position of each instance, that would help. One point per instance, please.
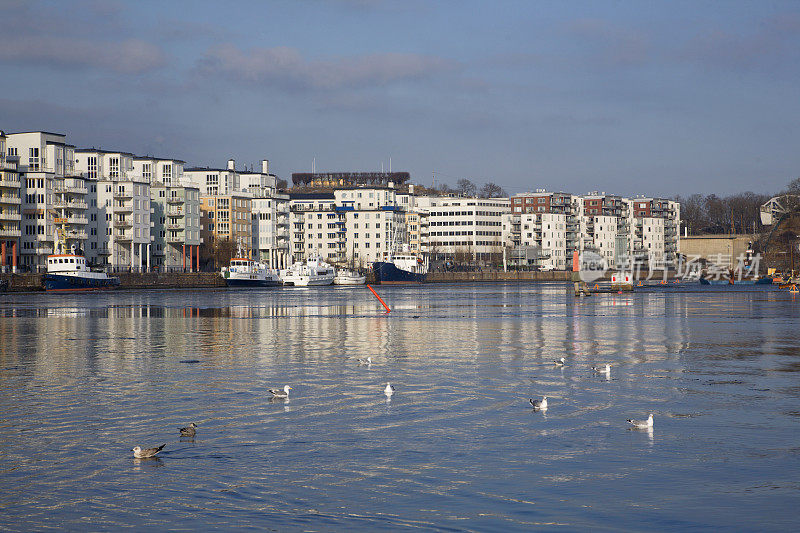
(214, 181)
(52, 195)
(119, 211)
(470, 227)
(176, 226)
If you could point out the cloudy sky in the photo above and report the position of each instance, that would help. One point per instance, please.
(660, 98)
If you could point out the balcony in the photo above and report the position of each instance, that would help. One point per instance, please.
(15, 200)
(176, 200)
(42, 250)
(122, 223)
(175, 212)
(10, 183)
(10, 233)
(123, 208)
(77, 235)
(77, 220)
(70, 189)
(123, 193)
(63, 204)
(10, 216)
(175, 227)
(122, 236)
(180, 239)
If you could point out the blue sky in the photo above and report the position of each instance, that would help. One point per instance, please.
(655, 98)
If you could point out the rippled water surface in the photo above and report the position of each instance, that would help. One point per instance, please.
(84, 378)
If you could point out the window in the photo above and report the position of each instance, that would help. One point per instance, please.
(113, 167)
(33, 158)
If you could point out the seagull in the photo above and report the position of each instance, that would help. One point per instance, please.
(539, 404)
(367, 361)
(188, 431)
(144, 454)
(389, 390)
(642, 424)
(559, 362)
(602, 370)
(278, 393)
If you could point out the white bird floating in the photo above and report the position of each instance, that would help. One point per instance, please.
(559, 362)
(389, 390)
(278, 393)
(642, 424)
(602, 370)
(367, 361)
(539, 404)
(147, 452)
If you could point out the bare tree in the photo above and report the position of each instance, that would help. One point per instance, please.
(466, 187)
(492, 190)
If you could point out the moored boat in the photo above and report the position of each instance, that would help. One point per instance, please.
(349, 277)
(401, 268)
(244, 272)
(69, 272)
(312, 271)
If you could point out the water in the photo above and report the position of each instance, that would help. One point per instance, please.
(84, 378)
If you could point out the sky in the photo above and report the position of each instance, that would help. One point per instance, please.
(627, 97)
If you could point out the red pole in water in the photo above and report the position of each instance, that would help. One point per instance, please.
(379, 298)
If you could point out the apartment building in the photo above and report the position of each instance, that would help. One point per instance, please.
(317, 227)
(176, 227)
(10, 214)
(226, 219)
(214, 181)
(270, 217)
(52, 195)
(466, 228)
(655, 237)
(119, 210)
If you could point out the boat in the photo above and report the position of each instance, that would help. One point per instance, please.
(349, 277)
(312, 271)
(69, 272)
(245, 272)
(403, 267)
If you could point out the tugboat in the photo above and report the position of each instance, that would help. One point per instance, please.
(69, 272)
(404, 267)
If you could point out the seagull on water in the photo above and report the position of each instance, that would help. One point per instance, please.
(367, 361)
(642, 424)
(148, 452)
(281, 393)
(389, 390)
(188, 431)
(602, 370)
(539, 404)
(559, 362)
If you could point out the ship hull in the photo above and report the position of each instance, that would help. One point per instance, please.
(230, 282)
(388, 273)
(62, 283)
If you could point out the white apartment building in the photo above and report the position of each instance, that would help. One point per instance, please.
(315, 227)
(52, 195)
(119, 211)
(471, 228)
(214, 181)
(176, 227)
(10, 214)
(270, 217)
(546, 233)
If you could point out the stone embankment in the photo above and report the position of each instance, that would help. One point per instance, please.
(150, 280)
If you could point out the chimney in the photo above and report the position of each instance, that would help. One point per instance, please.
(411, 189)
(391, 185)
(231, 164)
(265, 166)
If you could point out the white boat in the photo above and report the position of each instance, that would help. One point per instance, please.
(349, 277)
(312, 271)
(69, 272)
(244, 272)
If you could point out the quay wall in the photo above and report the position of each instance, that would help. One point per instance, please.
(149, 280)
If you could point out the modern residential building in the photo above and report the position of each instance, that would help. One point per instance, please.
(464, 228)
(270, 217)
(10, 214)
(52, 195)
(225, 221)
(214, 181)
(176, 227)
(317, 228)
(119, 210)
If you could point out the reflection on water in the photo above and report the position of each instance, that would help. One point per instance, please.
(84, 378)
